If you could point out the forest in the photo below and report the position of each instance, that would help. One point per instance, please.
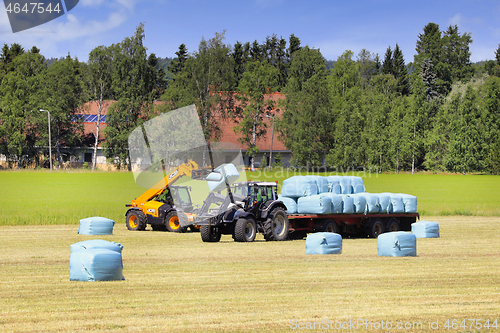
(439, 112)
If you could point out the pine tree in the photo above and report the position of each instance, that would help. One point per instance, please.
(429, 78)
(387, 65)
(400, 72)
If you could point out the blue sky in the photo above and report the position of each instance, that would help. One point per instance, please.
(331, 26)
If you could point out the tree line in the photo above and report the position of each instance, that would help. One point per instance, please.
(439, 112)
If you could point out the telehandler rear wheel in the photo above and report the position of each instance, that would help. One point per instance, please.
(172, 222)
(135, 220)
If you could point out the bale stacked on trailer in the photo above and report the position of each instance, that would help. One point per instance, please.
(347, 195)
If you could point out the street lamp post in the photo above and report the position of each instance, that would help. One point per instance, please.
(272, 137)
(50, 144)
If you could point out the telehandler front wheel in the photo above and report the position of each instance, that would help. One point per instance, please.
(135, 220)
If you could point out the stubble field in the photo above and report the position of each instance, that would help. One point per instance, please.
(175, 282)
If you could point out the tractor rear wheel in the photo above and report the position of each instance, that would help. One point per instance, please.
(245, 230)
(276, 227)
(209, 234)
(135, 220)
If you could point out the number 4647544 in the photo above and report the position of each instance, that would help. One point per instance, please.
(471, 324)
(32, 8)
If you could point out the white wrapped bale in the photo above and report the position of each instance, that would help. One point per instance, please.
(315, 204)
(96, 260)
(425, 229)
(324, 243)
(96, 226)
(359, 201)
(290, 203)
(410, 203)
(397, 244)
(224, 172)
(299, 186)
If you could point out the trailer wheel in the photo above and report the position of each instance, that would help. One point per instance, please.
(209, 234)
(135, 220)
(393, 225)
(330, 226)
(376, 228)
(277, 227)
(245, 230)
(172, 222)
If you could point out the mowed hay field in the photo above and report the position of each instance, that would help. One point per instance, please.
(177, 283)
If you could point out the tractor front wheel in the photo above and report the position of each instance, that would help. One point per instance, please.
(209, 234)
(245, 230)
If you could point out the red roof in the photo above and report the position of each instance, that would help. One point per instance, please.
(227, 132)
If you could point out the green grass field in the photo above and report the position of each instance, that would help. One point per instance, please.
(40, 198)
(177, 283)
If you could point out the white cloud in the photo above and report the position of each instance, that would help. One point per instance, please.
(455, 20)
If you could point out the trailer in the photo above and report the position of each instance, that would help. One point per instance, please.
(350, 224)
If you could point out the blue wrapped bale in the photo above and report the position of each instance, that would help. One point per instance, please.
(357, 185)
(324, 243)
(321, 182)
(96, 244)
(347, 204)
(96, 265)
(359, 202)
(345, 185)
(96, 226)
(397, 244)
(410, 203)
(315, 204)
(224, 172)
(425, 229)
(334, 182)
(397, 203)
(299, 186)
(384, 200)
(290, 203)
(372, 203)
(337, 200)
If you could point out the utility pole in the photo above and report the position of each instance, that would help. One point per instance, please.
(50, 143)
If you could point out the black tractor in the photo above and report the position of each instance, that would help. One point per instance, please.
(245, 209)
